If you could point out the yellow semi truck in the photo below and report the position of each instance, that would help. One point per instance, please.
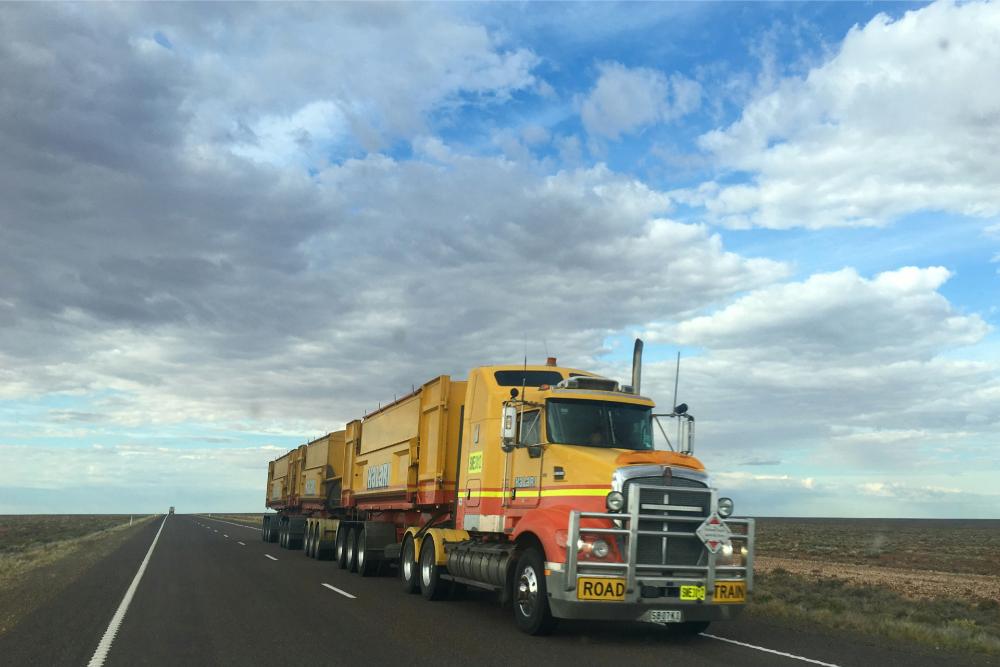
(562, 490)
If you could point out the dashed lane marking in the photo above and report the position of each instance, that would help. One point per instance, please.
(241, 544)
(233, 523)
(101, 654)
(337, 590)
(770, 650)
(224, 535)
(270, 556)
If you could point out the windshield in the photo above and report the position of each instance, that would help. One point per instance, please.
(599, 424)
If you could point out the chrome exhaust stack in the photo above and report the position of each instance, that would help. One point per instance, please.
(637, 366)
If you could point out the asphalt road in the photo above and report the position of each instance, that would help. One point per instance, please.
(214, 594)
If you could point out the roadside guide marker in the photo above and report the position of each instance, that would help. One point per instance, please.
(770, 650)
(337, 590)
(101, 654)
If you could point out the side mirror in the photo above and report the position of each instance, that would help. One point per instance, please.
(534, 451)
(508, 427)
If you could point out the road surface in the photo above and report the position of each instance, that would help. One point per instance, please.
(212, 593)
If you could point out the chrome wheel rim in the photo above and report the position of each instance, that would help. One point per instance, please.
(425, 570)
(527, 591)
(408, 560)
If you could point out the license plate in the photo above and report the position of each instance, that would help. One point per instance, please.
(600, 588)
(662, 616)
(729, 592)
(692, 592)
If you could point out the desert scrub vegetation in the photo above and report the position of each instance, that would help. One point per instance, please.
(966, 546)
(952, 623)
(41, 555)
(19, 532)
(31, 541)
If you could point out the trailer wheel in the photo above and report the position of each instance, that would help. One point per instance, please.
(367, 564)
(324, 548)
(408, 569)
(531, 598)
(341, 547)
(307, 541)
(282, 535)
(352, 550)
(432, 586)
(313, 540)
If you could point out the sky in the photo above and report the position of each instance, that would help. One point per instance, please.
(228, 229)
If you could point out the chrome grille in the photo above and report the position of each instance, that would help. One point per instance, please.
(669, 499)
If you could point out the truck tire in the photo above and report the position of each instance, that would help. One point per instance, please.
(307, 542)
(408, 568)
(340, 550)
(366, 562)
(283, 536)
(432, 586)
(352, 550)
(324, 549)
(531, 598)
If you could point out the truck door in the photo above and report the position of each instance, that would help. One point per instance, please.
(523, 485)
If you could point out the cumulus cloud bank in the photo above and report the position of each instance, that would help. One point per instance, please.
(901, 119)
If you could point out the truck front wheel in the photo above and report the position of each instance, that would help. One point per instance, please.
(531, 597)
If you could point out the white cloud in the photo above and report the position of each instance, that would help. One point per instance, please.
(624, 100)
(896, 316)
(903, 118)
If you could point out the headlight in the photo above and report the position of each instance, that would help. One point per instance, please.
(601, 549)
(727, 550)
(725, 507)
(615, 501)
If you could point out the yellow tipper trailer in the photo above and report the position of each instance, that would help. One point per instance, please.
(303, 482)
(555, 487)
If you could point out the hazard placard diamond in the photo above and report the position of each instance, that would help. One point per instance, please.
(714, 533)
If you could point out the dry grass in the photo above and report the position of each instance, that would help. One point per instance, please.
(944, 623)
(41, 555)
(926, 581)
(966, 546)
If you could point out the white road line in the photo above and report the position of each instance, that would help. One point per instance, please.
(270, 556)
(770, 650)
(233, 523)
(101, 654)
(224, 535)
(241, 544)
(337, 590)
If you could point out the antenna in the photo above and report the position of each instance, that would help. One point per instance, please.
(677, 377)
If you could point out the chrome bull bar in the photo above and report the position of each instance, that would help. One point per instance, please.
(743, 535)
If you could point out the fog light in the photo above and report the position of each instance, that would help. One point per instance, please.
(601, 549)
(725, 507)
(727, 550)
(615, 501)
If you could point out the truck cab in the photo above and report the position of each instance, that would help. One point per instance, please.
(621, 516)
